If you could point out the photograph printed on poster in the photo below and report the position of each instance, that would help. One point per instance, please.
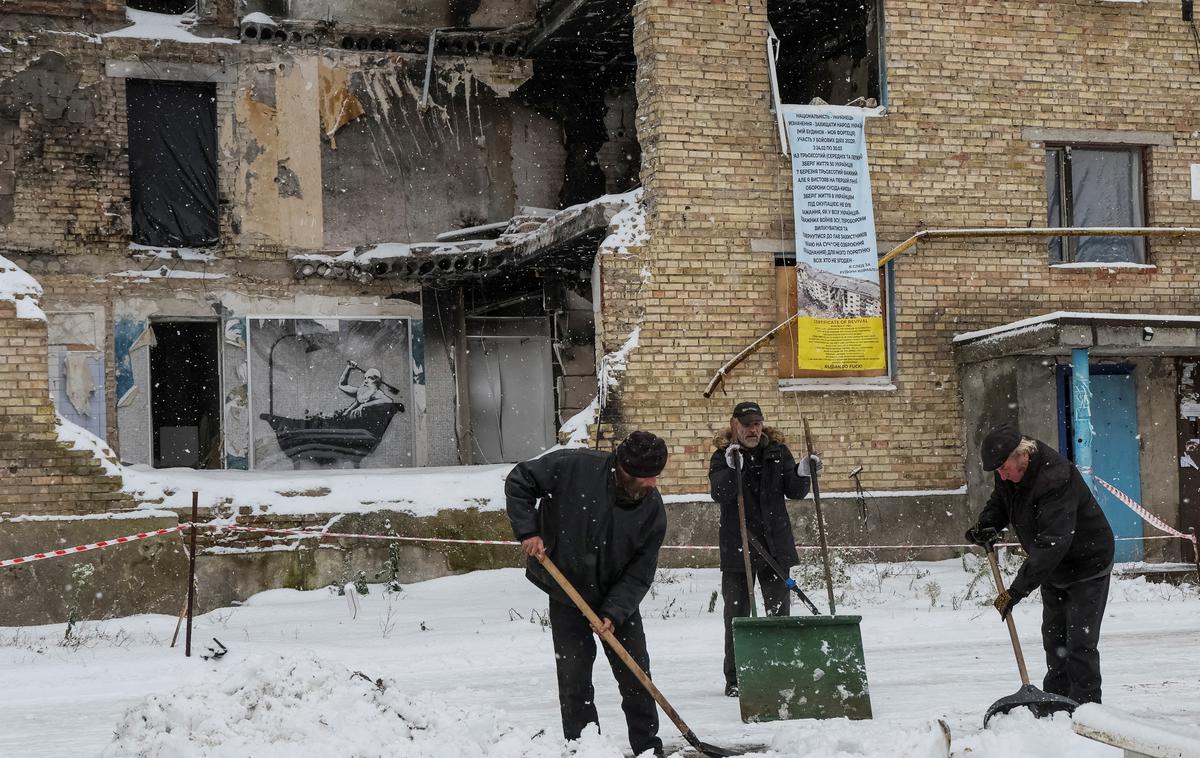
(330, 393)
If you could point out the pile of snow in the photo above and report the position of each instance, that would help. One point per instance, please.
(628, 227)
(612, 365)
(21, 289)
(258, 18)
(164, 26)
(78, 438)
(295, 706)
(420, 491)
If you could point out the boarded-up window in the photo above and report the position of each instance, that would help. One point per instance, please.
(1095, 186)
(172, 162)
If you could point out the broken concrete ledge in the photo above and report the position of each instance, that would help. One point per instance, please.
(146, 576)
(234, 568)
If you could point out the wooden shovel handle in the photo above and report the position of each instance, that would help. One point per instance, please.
(1012, 628)
(611, 640)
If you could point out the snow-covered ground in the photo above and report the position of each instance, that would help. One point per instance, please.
(462, 666)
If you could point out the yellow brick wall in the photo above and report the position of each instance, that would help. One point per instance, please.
(38, 474)
(964, 81)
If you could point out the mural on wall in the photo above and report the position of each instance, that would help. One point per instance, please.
(330, 393)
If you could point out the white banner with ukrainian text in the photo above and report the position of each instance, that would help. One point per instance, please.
(840, 316)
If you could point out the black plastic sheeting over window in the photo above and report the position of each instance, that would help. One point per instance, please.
(172, 162)
(1095, 186)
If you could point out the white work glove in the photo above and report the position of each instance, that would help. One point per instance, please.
(803, 468)
(733, 456)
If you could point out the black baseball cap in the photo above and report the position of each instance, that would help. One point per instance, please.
(747, 412)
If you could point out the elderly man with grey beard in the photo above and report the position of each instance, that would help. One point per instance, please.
(1058, 522)
(756, 456)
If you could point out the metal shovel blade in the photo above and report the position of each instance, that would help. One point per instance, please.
(1042, 704)
(711, 751)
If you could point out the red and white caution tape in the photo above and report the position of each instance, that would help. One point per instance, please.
(93, 546)
(1146, 515)
(309, 533)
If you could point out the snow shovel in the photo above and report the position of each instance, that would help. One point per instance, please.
(1041, 703)
(706, 749)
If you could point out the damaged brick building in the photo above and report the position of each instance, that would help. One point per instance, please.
(217, 205)
(255, 220)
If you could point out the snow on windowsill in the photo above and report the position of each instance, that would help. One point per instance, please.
(162, 273)
(866, 384)
(1112, 265)
(173, 253)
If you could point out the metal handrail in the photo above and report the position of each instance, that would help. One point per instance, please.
(1066, 231)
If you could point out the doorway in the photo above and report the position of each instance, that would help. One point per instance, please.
(511, 388)
(185, 395)
(1116, 448)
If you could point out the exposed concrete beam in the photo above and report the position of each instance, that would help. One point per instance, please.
(557, 18)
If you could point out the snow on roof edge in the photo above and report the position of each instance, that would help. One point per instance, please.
(1078, 315)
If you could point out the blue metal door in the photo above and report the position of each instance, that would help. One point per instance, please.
(1115, 448)
(1115, 456)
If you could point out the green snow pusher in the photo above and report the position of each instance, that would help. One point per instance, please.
(800, 667)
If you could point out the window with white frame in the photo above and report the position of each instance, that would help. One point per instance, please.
(1088, 186)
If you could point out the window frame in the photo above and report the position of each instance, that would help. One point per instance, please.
(1064, 250)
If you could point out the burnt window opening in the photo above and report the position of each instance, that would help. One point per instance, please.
(597, 107)
(185, 401)
(172, 162)
(172, 7)
(828, 49)
(1095, 186)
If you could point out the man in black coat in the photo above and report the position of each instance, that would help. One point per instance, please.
(601, 519)
(769, 475)
(1070, 546)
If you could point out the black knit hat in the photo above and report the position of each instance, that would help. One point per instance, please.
(997, 445)
(642, 454)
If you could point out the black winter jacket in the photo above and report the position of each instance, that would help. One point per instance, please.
(769, 477)
(1057, 520)
(609, 552)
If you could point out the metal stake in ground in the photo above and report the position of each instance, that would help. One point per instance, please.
(187, 645)
(610, 639)
(816, 492)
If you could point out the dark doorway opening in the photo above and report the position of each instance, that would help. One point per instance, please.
(185, 395)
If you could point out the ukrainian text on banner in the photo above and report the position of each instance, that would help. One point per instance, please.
(840, 319)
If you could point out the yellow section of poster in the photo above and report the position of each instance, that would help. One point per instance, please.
(841, 344)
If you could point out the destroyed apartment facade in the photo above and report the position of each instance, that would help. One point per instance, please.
(268, 240)
(335, 234)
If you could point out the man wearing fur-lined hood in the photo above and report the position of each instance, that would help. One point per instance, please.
(769, 475)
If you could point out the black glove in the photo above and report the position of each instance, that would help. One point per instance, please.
(984, 536)
(1004, 603)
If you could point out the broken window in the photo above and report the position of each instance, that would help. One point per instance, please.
(828, 49)
(1095, 186)
(172, 162)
